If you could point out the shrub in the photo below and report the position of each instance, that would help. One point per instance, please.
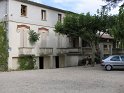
(26, 62)
(3, 50)
(33, 36)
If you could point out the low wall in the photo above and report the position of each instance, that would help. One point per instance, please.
(117, 51)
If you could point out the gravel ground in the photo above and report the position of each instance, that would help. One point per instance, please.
(63, 80)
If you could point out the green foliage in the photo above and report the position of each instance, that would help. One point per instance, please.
(117, 30)
(85, 27)
(3, 50)
(69, 27)
(26, 62)
(88, 27)
(33, 36)
(111, 4)
(114, 1)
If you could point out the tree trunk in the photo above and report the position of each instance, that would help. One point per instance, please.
(93, 54)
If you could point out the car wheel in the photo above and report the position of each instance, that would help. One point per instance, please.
(108, 67)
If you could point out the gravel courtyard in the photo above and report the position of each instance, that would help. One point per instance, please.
(63, 80)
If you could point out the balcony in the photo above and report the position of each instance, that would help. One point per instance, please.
(117, 51)
(61, 50)
(46, 51)
(74, 50)
(106, 51)
(86, 50)
(26, 51)
(68, 50)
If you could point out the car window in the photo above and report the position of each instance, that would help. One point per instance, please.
(115, 58)
(122, 57)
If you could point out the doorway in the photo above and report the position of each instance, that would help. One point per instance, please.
(41, 62)
(57, 61)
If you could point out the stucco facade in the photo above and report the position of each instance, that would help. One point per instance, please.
(3, 9)
(52, 50)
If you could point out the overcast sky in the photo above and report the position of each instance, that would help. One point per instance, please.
(78, 6)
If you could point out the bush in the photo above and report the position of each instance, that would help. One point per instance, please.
(3, 67)
(33, 36)
(3, 49)
(26, 62)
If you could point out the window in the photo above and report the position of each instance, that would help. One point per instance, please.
(23, 10)
(59, 17)
(23, 29)
(105, 46)
(43, 36)
(115, 58)
(43, 14)
(122, 57)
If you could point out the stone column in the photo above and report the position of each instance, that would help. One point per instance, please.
(52, 62)
(80, 42)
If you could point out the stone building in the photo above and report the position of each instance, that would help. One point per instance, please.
(52, 50)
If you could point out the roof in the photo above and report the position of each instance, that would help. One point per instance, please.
(105, 35)
(42, 5)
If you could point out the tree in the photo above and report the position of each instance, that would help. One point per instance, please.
(113, 1)
(3, 49)
(118, 28)
(111, 4)
(91, 29)
(85, 27)
(70, 25)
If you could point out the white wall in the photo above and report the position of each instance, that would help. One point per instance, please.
(3, 9)
(33, 14)
(33, 20)
(72, 61)
(15, 64)
(62, 61)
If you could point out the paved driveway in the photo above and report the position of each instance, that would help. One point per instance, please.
(63, 80)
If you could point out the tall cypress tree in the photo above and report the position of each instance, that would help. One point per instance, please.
(3, 49)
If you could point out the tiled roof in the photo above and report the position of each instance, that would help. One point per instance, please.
(104, 35)
(107, 36)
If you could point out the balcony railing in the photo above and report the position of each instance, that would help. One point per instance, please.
(46, 51)
(62, 50)
(26, 51)
(73, 50)
(117, 51)
(86, 50)
(106, 51)
(68, 50)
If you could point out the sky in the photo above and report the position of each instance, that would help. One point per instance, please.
(77, 6)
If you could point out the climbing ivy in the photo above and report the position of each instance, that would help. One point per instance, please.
(3, 49)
